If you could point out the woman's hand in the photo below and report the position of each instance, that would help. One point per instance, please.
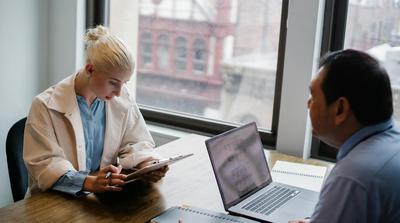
(154, 175)
(99, 183)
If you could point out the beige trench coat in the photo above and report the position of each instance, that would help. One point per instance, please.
(54, 140)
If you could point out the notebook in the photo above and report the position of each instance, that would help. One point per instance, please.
(189, 214)
(300, 175)
(245, 183)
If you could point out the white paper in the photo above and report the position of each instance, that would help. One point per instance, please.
(306, 176)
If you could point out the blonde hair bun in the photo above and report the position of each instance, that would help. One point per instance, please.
(106, 51)
(97, 33)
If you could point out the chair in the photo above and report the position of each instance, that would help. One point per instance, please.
(16, 166)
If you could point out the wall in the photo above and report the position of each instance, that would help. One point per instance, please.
(23, 59)
(304, 26)
(39, 46)
(66, 32)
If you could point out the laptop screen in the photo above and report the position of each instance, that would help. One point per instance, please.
(239, 162)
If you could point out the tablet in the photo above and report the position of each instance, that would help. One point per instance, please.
(154, 166)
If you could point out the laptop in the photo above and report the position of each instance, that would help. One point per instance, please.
(245, 182)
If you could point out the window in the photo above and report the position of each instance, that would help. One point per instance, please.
(180, 53)
(208, 65)
(372, 26)
(146, 49)
(381, 25)
(163, 52)
(199, 56)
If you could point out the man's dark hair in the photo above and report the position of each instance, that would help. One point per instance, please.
(360, 78)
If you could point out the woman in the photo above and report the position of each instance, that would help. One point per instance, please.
(76, 129)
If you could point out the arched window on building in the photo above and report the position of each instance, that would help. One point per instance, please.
(199, 56)
(146, 49)
(163, 52)
(180, 53)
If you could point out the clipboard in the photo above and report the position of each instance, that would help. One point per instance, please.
(154, 166)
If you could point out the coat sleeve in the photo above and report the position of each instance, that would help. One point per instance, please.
(43, 157)
(137, 144)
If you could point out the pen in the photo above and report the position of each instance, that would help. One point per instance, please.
(109, 173)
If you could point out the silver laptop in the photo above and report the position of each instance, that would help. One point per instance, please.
(245, 183)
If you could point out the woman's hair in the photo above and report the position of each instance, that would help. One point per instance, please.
(106, 51)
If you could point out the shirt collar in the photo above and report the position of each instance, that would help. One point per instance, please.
(83, 100)
(362, 134)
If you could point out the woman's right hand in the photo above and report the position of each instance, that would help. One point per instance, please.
(99, 183)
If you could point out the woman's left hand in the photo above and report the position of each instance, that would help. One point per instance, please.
(154, 175)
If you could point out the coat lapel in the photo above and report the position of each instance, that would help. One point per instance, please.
(64, 101)
(115, 116)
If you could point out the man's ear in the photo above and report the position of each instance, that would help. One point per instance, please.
(89, 69)
(342, 110)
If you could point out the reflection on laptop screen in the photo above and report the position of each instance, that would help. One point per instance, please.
(238, 161)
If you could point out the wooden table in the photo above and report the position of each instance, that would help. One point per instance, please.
(190, 181)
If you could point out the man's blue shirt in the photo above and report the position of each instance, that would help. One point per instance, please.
(93, 121)
(363, 186)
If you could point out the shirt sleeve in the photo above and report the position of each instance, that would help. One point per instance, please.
(342, 200)
(71, 183)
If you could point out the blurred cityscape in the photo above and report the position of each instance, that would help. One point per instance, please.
(210, 59)
(374, 26)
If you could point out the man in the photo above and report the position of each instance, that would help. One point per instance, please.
(351, 109)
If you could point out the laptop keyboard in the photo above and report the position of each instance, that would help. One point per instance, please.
(271, 200)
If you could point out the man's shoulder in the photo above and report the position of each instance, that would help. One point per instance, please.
(351, 170)
(368, 162)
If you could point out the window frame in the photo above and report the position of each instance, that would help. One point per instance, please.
(212, 127)
(97, 13)
(333, 36)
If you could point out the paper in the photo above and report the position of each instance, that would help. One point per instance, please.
(305, 176)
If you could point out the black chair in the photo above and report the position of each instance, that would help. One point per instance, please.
(16, 166)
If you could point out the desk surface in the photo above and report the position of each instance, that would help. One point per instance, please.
(190, 181)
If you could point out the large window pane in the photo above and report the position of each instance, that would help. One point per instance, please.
(214, 59)
(374, 26)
